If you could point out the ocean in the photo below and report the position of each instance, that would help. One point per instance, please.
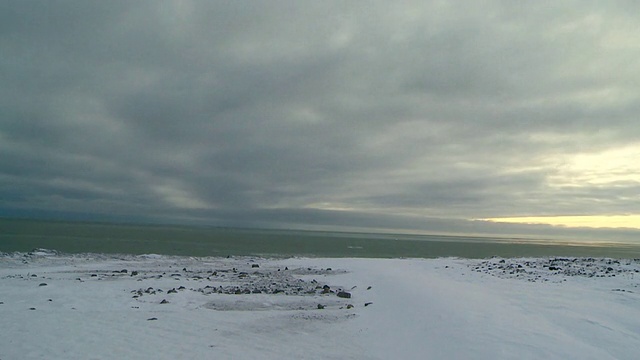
(84, 237)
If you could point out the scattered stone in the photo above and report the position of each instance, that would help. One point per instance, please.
(172, 291)
(43, 284)
(32, 308)
(151, 319)
(368, 287)
(49, 300)
(255, 266)
(320, 306)
(123, 271)
(350, 306)
(164, 301)
(344, 294)
(367, 303)
(34, 275)
(134, 273)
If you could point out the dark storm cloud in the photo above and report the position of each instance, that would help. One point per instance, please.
(370, 115)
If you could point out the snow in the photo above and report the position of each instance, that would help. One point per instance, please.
(87, 307)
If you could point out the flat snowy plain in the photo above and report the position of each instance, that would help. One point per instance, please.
(92, 306)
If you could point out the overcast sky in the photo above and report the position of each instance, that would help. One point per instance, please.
(397, 115)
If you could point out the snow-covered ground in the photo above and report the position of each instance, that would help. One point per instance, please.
(93, 306)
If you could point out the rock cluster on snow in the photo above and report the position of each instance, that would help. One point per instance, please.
(556, 268)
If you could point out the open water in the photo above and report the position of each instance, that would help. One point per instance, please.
(73, 237)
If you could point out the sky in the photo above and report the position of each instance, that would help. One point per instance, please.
(496, 117)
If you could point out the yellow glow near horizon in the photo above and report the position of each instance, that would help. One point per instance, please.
(592, 221)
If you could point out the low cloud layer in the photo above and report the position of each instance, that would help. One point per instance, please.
(364, 115)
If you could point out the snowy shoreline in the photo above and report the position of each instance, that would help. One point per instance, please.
(63, 306)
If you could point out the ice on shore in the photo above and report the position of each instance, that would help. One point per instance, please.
(95, 306)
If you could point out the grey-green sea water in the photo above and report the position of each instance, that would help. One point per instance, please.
(73, 237)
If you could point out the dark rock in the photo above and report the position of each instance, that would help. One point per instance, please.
(123, 271)
(368, 287)
(349, 306)
(43, 284)
(164, 301)
(367, 303)
(32, 308)
(94, 275)
(344, 294)
(151, 319)
(134, 273)
(50, 300)
(34, 275)
(320, 306)
(255, 266)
